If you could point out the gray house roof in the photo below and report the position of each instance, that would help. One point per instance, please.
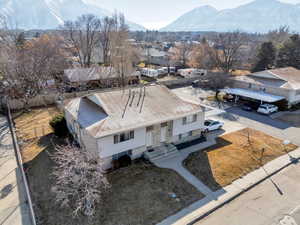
(288, 78)
(89, 74)
(107, 113)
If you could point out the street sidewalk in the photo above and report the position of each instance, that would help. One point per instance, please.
(14, 209)
(210, 203)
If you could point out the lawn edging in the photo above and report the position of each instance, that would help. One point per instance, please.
(206, 206)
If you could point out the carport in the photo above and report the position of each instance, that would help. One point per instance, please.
(256, 95)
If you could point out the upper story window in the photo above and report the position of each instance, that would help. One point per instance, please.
(189, 119)
(123, 137)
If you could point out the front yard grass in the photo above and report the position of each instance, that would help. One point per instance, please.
(139, 195)
(33, 131)
(234, 156)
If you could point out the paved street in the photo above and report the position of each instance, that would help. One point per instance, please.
(14, 209)
(273, 202)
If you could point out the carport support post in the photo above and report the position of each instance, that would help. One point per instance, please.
(235, 99)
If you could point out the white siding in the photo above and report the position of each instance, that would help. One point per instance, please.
(294, 97)
(179, 128)
(107, 147)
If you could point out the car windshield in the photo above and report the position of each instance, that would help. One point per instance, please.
(263, 107)
(207, 123)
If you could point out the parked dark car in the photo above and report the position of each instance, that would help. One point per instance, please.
(247, 107)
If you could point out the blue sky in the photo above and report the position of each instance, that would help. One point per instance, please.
(155, 14)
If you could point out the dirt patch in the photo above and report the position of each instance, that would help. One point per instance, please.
(293, 119)
(233, 157)
(140, 194)
(34, 131)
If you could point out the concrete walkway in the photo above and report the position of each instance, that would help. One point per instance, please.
(215, 200)
(14, 209)
(175, 163)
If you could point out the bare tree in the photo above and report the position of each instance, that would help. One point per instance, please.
(83, 36)
(123, 55)
(106, 29)
(216, 81)
(200, 57)
(181, 53)
(279, 36)
(225, 54)
(27, 69)
(79, 179)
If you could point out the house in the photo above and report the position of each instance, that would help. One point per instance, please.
(136, 122)
(97, 76)
(269, 86)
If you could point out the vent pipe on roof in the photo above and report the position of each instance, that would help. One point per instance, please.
(141, 107)
(140, 96)
(133, 94)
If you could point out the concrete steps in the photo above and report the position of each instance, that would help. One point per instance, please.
(160, 152)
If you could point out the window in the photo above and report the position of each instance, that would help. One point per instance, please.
(250, 86)
(116, 139)
(123, 137)
(191, 133)
(164, 124)
(180, 136)
(194, 118)
(149, 128)
(189, 119)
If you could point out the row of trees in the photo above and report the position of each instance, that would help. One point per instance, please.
(224, 54)
(27, 66)
(281, 51)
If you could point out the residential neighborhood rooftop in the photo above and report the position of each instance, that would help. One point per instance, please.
(287, 77)
(105, 113)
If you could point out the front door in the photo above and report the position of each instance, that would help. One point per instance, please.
(149, 138)
(163, 134)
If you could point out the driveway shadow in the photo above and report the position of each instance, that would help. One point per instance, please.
(237, 112)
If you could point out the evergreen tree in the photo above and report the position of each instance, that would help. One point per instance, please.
(20, 41)
(265, 58)
(289, 54)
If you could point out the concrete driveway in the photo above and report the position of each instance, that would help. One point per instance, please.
(276, 201)
(260, 122)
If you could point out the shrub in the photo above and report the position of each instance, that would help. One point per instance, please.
(59, 125)
(123, 161)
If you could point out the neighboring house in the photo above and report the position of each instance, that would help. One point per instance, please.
(269, 85)
(155, 56)
(135, 122)
(97, 76)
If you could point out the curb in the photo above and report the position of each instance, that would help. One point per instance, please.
(242, 192)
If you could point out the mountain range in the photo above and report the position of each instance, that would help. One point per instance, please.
(49, 14)
(257, 16)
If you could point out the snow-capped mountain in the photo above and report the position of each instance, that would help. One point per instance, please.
(49, 14)
(257, 16)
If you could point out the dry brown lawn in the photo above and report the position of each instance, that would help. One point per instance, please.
(34, 131)
(240, 72)
(234, 156)
(140, 195)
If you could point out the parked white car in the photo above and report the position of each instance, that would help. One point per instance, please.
(267, 109)
(211, 125)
